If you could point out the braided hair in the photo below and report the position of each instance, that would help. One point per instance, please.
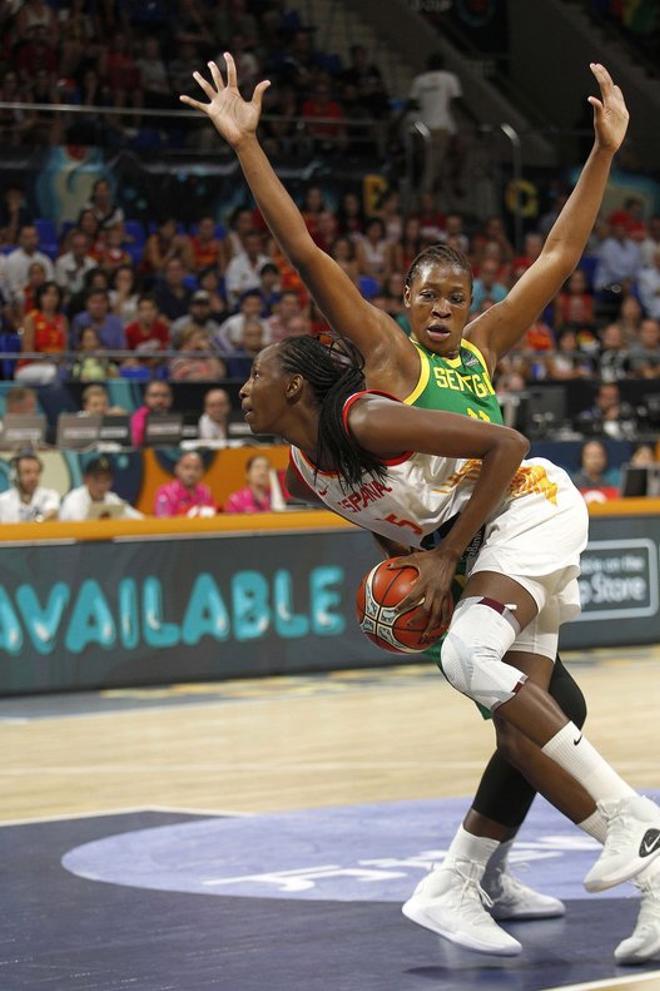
(334, 373)
(440, 254)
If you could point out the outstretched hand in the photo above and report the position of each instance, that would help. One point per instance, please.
(610, 111)
(233, 117)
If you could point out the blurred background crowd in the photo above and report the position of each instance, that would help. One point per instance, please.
(166, 299)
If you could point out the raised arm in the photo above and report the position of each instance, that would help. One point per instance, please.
(338, 298)
(387, 428)
(498, 329)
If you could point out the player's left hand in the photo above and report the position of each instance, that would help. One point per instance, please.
(234, 118)
(433, 589)
(610, 111)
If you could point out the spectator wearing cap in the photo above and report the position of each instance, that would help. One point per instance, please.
(95, 491)
(185, 495)
(243, 271)
(198, 317)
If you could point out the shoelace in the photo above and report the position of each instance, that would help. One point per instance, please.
(471, 889)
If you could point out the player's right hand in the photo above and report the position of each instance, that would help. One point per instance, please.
(233, 117)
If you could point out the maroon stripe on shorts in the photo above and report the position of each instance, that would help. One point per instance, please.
(493, 604)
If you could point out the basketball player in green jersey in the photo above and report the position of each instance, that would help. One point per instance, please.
(447, 364)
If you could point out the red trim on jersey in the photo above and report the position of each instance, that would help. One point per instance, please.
(373, 392)
(319, 471)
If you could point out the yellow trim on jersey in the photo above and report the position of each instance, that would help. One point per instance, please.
(424, 375)
(425, 368)
(475, 350)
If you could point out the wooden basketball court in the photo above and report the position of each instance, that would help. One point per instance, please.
(80, 769)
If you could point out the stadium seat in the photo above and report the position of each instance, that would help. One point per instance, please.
(135, 230)
(135, 247)
(588, 265)
(139, 374)
(368, 286)
(9, 341)
(47, 236)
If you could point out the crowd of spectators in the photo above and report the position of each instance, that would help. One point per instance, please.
(28, 501)
(197, 304)
(139, 57)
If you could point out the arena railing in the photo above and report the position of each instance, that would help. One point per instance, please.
(365, 131)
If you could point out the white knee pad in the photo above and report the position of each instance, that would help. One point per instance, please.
(480, 634)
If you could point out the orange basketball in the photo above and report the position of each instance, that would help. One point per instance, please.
(377, 602)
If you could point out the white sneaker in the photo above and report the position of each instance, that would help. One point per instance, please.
(511, 899)
(644, 943)
(632, 843)
(450, 902)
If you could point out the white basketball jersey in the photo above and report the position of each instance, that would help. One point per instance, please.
(419, 492)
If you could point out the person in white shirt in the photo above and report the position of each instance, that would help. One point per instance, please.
(27, 501)
(649, 286)
(244, 270)
(19, 261)
(230, 335)
(72, 267)
(213, 421)
(77, 504)
(651, 242)
(432, 94)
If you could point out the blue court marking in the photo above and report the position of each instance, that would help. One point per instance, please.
(360, 853)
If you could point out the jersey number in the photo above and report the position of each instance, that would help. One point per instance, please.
(397, 521)
(478, 414)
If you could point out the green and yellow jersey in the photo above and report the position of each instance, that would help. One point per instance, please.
(456, 385)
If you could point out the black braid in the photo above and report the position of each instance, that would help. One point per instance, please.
(442, 254)
(334, 374)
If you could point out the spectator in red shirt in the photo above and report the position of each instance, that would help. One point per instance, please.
(148, 333)
(120, 72)
(575, 305)
(533, 248)
(328, 137)
(208, 250)
(630, 216)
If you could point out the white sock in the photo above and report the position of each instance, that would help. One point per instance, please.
(572, 751)
(594, 825)
(476, 849)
